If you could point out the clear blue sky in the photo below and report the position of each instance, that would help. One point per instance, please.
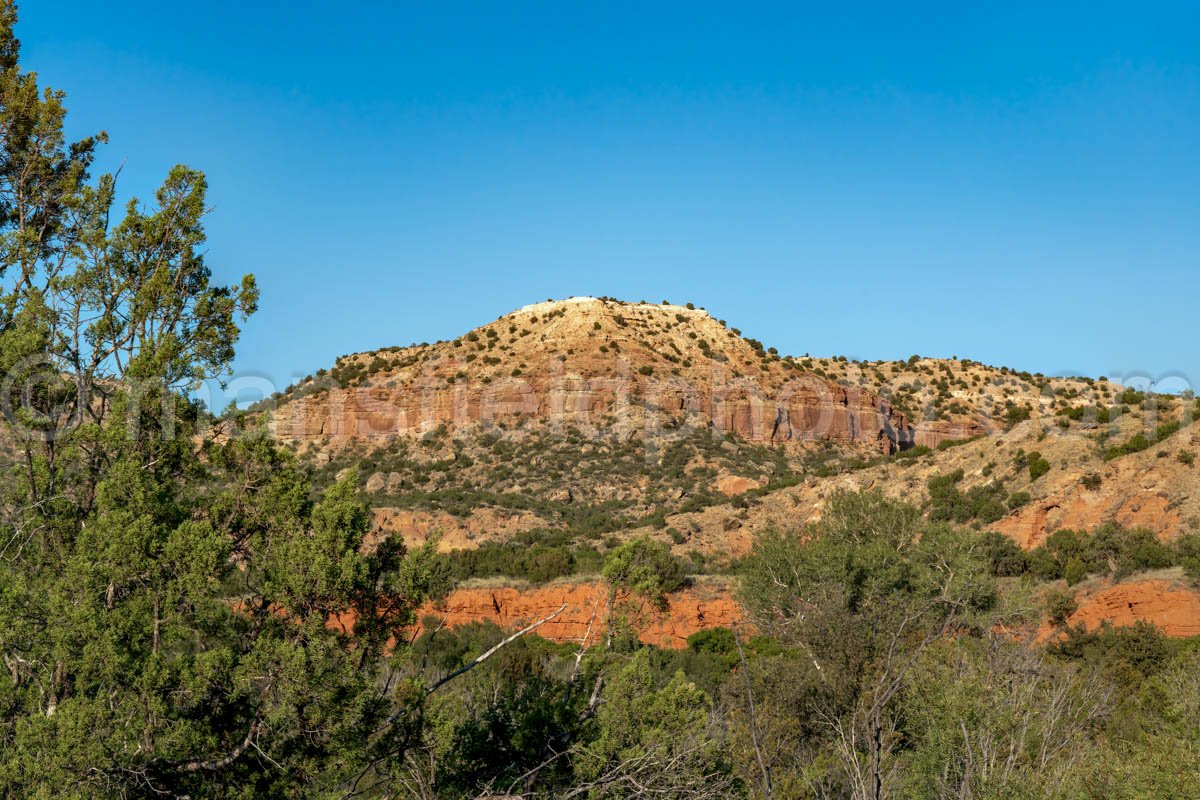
(1016, 183)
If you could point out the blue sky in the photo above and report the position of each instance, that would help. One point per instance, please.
(1015, 183)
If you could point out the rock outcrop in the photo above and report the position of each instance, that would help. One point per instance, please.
(592, 364)
(1085, 510)
(1169, 604)
(693, 609)
(563, 407)
(1141, 490)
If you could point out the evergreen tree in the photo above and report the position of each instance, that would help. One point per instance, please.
(178, 617)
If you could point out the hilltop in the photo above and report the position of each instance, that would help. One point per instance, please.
(602, 365)
(623, 368)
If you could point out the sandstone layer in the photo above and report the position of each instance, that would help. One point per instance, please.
(1170, 604)
(708, 605)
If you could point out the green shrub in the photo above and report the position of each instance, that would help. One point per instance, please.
(947, 503)
(1140, 551)
(1187, 554)
(534, 556)
(1044, 565)
(1109, 550)
(644, 567)
(1017, 500)
(1140, 441)
(1014, 413)
(1060, 605)
(1004, 557)
(1131, 397)
(543, 565)
(1038, 466)
(1126, 655)
(1075, 571)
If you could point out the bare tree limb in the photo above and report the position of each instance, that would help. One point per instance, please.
(472, 665)
(233, 755)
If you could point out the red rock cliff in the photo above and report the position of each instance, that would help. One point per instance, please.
(689, 611)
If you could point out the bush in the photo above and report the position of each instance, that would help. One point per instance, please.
(1131, 397)
(1111, 550)
(1136, 550)
(1005, 559)
(1017, 500)
(1127, 655)
(644, 567)
(947, 503)
(1140, 441)
(1187, 554)
(537, 557)
(1043, 565)
(1075, 571)
(1061, 547)
(1038, 466)
(1101, 414)
(547, 564)
(1014, 413)
(1060, 605)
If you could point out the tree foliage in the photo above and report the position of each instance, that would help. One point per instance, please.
(645, 568)
(861, 594)
(177, 615)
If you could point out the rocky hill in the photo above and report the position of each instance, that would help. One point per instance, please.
(602, 366)
(534, 443)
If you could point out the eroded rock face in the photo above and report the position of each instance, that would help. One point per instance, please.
(935, 432)
(1171, 604)
(730, 485)
(629, 369)
(1085, 511)
(1168, 604)
(812, 413)
(689, 611)
(1140, 490)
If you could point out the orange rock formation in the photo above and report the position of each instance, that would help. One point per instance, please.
(690, 610)
(1173, 607)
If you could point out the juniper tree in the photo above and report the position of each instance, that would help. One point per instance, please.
(178, 615)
